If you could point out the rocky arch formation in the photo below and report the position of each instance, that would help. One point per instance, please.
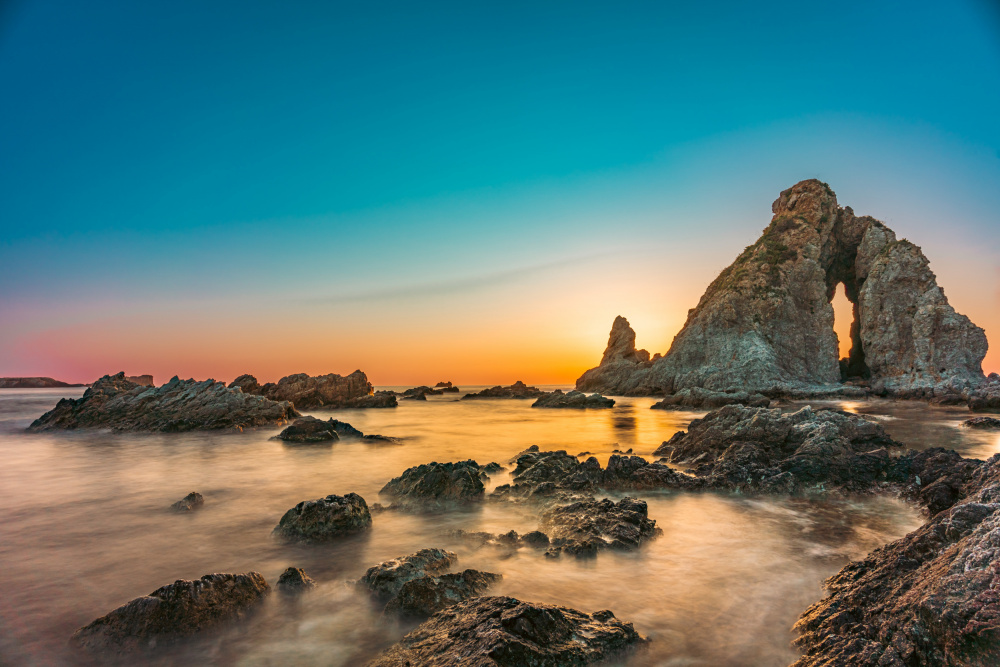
(766, 322)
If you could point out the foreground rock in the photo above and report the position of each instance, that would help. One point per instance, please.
(504, 631)
(517, 390)
(325, 519)
(294, 580)
(985, 423)
(388, 577)
(573, 399)
(929, 598)
(189, 503)
(427, 595)
(321, 391)
(178, 610)
(765, 324)
(586, 527)
(697, 398)
(436, 485)
(180, 405)
(309, 430)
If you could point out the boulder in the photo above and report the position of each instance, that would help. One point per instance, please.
(507, 632)
(517, 390)
(436, 484)
(325, 519)
(426, 595)
(573, 399)
(765, 324)
(703, 399)
(177, 610)
(444, 385)
(415, 392)
(309, 430)
(294, 580)
(388, 577)
(582, 528)
(190, 502)
(415, 397)
(982, 423)
(247, 384)
(321, 391)
(180, 405)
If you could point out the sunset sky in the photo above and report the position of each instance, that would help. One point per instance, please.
(468, 192)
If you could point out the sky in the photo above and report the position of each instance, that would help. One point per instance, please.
(458, 191)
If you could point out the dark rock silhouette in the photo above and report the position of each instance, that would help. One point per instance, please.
(179, 405)
(766, 323)
(426, 595)
(294, 580)
(696, 398)
(34, 383)
(180, 609)
(516, 390)
(309, 430)
(982, 423)
(190, 502)
(322, 391)
(325, 519)
(433, 485)
(573, 399)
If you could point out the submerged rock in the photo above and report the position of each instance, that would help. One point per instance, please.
(583, 528)
(325, 519)
(929, 598)
(420, 393)
(507, 632)
(436, 484)
(309, 430)
(294, 580)
(516, 390)
(765, 324)
(320, 391)
(179, 405)
(190, 502)
(703, 399)
(426, 595)
(982, 423)
(177, 610)
(388, 577)
(573, 399)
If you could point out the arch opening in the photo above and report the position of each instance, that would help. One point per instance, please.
(847, 327)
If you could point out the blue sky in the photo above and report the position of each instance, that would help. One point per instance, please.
(403, 164)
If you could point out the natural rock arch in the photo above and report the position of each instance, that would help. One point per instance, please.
(766, 322)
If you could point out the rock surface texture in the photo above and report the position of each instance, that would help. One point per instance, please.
(294, 580)
(433, 485)
(573, 399)
(516, 390)
(325, 519)
(171, 612)
(189, 503)
(179, 405)
(424, 596)
(765, 324)
(388, 577)
(503, 631)
(321, 391)
(310, 430)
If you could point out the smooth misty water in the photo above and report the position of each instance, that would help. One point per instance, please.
(85, 527)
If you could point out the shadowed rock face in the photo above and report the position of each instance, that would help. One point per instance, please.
(388, 577)
(322, 391)
(294, 580)
(516, 390)
(503, 631)
(179, 405)
(177, 610)
(434, 485)
(583, 528)
(573, 399)
(426, 595)
(325, 519)
(766, 323)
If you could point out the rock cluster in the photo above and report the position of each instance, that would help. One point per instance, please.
(171, 612)
(325, 519)
(180, 405)
(696, 398)
(765, 324)
(573, 399)
(447, 387)
(388, 577)
(583, 528)
(504, 631)
(516, 390)
(310, 430)
(982, 423)
(189, 503)
(321, 391)
(436, 485)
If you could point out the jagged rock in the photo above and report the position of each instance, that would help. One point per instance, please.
(982, 423)
(573, 399)
(322, 391)
(325, 519)
(177, 610)
(584, 527)
(190, 502)
(704, 399)
(516, 390)
(535, 539)
(179, 405)
(765, 324)
(436, 484)
(294, 580)
(444, 385)
(929, 598)
(492, 468)
(388, 577)
(505, 632)
(426, 595)
(309, 430)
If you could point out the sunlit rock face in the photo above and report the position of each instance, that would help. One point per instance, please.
(766, 322)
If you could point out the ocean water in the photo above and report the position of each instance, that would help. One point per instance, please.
(85, 526)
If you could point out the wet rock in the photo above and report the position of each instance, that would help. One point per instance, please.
(536, 539)
(309, 430)
(415, 397)
(436, 484)
(929, 598)
(982, 423)
(765, 324)
(180, 405)
(177, 610)
(987, 397)
(387, 578)
(325, 519)
(320, 391)
(516, 390)
(584, 527)
(294, 580)
(380, 399)
(418, 392)
(505, 632)
(492, 468)
(247, 384)
(426, 595)
(190, 502)
(345, 430)
(573, 399)
(703, 399)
